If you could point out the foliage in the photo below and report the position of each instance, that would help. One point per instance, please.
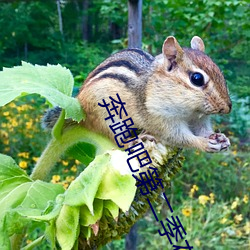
(98, 205)
(53, 82)
(88, 198)
(223, 25)
(209, 224)
(30, 32)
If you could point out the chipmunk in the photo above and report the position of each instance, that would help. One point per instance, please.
(170, 96)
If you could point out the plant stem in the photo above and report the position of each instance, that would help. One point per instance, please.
(57, 147)
(16, 240)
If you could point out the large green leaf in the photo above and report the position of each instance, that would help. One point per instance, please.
(53, 82)
(21, 199)
(39, 194)
(118, 188)
(67, 226)
(83, 189)
(105, 178)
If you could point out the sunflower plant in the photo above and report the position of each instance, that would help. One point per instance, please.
(100, 204)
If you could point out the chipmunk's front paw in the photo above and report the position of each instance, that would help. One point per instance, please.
(218, 142)
(142, 138)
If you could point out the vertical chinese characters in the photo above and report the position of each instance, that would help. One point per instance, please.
(148, 180)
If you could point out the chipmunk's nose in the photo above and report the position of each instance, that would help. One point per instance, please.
(227, 108)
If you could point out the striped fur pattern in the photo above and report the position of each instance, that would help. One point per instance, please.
(159, 95)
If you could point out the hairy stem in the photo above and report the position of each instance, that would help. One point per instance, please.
(57, 147)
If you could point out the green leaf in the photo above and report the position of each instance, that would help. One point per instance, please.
(67, 226)
(86, 218)
(20, 197)
(7, 220)
(39, 194)
(13, 223)
(6, 186)
(53, 82)
(49, 214)
(25, 203)
(86, 232)
(83, 189)
(83, 152)
(9, 168)
(106, 178)
(4, 240)
(118, 188)
(50, 234)
(111, 207)
(14, 198)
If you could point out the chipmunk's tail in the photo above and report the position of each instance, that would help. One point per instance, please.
(50, 117)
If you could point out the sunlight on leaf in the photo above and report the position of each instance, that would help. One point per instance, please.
(53, 82)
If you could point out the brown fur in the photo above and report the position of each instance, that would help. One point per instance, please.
(159, 95)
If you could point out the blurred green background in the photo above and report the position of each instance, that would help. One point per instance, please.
(211, 194)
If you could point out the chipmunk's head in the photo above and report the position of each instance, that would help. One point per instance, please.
(195, 75)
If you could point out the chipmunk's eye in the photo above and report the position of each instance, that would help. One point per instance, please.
(197, 79)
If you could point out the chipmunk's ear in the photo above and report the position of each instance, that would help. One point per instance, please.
(197, 43)
(171, 49)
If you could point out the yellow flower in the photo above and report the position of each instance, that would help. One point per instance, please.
(234, 152)
(29, 124)
(192, 190)
(35, 159)
(224, 164)
(238, 233)
(23, 107)
(6, 149)
(4, 134)
(23, 164)
(6, 113)
(6, 141)
(70, 178)
(203, 199)
(55, 178)
(65, 185)
(187, 211)
(247, 228)
(12, 105)
(223, 220)
(197, 242)
(77, 162)
(24, 155)
(28, 241)
(235, 203)
(65, 163)
(211, 195)
(238, 218)
(245, 199)
(73, 168)
(14, 123)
